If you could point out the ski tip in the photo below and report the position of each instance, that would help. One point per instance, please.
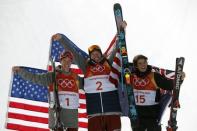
(117, 6)
(182, 58)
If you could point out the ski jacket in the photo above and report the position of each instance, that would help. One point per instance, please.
(101, 94)
(67, 91)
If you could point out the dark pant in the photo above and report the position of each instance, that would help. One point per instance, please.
(72, 129)
(148, 125)
(68, 129)
(104, 123)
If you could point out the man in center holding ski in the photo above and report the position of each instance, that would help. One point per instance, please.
(103, 107)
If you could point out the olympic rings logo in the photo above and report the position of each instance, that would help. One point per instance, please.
(98, 68)
(140, 82)
(66, 83)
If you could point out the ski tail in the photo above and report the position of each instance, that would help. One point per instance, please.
(164, 103)
(57, 108)
(175, 105)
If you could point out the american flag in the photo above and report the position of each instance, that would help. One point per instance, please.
(28, 104)
(167, 73)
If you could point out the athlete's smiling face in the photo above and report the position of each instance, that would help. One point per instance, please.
(96, 56)
(142, 65)
(66, 62)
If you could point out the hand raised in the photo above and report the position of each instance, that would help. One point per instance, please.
(56, 37)
(16, 69)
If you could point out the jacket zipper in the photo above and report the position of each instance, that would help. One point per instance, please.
(101, 102)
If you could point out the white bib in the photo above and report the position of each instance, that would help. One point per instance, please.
(99, 83)
(68, 100)
(145, 97)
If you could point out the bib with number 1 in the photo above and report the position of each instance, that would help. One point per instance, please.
(68, 100)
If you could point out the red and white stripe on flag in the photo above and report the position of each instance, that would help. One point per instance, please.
(116, 65)
(116, 69)
(82, 116)
(27, 115)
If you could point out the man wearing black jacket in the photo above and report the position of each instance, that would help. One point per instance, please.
(147, 84)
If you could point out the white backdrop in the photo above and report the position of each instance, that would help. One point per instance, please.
(161, 30)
